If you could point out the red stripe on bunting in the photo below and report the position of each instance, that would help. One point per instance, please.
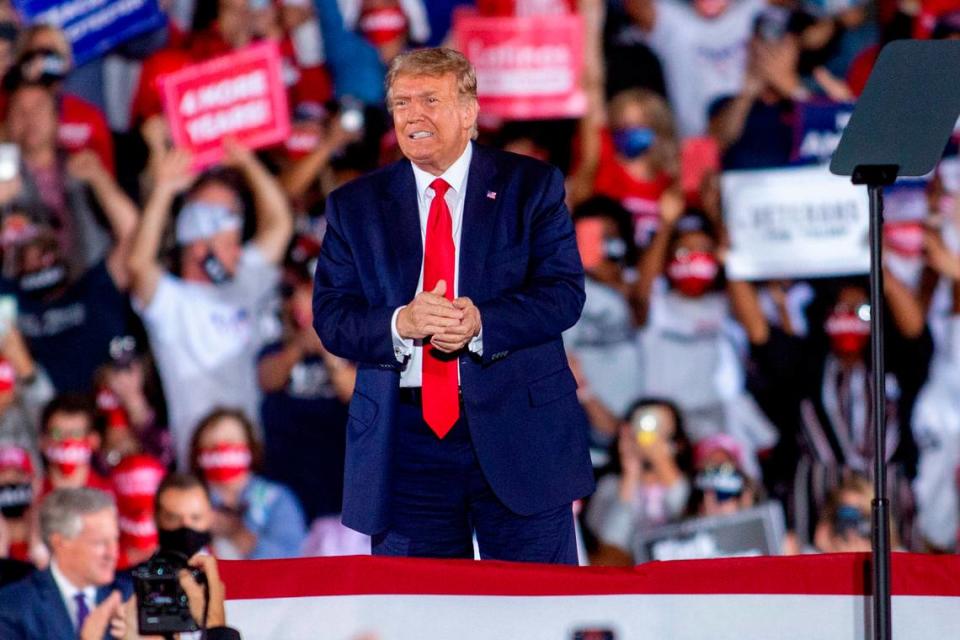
(837, 574)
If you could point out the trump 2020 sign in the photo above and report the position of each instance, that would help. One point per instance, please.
(527, 67)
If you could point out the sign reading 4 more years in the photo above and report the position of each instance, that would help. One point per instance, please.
(798, 222)
(239, 95)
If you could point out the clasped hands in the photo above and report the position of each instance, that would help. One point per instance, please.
(449, 324)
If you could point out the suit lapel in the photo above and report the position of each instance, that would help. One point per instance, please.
(402, 223)
(55, 619)
(479, 209)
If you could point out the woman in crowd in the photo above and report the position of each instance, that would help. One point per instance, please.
(820, 387)
(254, 518)
(646, 483)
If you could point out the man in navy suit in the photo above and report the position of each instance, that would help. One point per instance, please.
(78, 595)
(449, 278)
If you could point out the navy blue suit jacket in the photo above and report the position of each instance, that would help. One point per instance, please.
(33, 608)
(520, 266)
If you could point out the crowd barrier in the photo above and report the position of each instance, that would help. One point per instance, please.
(796, 598)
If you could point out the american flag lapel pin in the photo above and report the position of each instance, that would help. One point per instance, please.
(492, 195)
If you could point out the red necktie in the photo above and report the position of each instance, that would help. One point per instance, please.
(441, 401)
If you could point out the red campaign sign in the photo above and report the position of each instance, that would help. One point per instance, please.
(527, 67)
(240, 94)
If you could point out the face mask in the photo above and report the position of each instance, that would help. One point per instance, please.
(848, 331)
(15, 499)
(225, 462)
(615, 249)
(45, 66)
(69, 455)
(633, 142)
(183, 540)
(383, 25)
(216, 270)
(724, 481)
(308, 44)
(850, 519)
(44, 280)
(693, 273)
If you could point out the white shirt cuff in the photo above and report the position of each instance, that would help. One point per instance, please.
(402, 347)
(476, 343)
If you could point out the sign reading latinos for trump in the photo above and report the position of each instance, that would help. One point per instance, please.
(94, 27)
(239, 95)
(527, 67)
(794, 222)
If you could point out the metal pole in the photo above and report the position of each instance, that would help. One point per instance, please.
(880, 540)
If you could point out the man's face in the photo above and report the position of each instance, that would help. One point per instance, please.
(32, 119)
(184, 508)
(89, 558)
(432, 121)
(226, 245)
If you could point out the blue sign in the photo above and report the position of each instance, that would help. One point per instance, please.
(94, 27)
(817, 130)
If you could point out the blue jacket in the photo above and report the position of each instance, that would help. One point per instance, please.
(520, 266)
(33, 608)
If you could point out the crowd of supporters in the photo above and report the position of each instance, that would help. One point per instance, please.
(156, 319)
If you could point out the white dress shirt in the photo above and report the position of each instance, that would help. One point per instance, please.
(68, 592)
(407, 350)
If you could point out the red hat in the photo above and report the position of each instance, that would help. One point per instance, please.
(138, 531)
(135, 481)
(723, 442)
(15, 457)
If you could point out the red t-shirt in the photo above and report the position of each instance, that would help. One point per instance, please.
(83, 126)
(640, 197)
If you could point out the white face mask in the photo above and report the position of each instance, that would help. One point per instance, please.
(308, 44)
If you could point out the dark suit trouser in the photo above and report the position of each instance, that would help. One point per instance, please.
(441, 497)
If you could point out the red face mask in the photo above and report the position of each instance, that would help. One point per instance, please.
(69, 455)
(849, 333)
(693, 273)
(225, 462)
(383, 25)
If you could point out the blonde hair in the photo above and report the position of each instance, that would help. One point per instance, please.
(437, 61)
(665, 152)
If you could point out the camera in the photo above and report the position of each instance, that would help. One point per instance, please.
(162, 605)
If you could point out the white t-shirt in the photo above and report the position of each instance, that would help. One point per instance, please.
(936, 430)
(604, 340)
(206, 339)
(703, 59)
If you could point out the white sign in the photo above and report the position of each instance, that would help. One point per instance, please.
(795, 222)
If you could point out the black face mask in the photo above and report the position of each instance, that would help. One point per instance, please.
(183, 540)
(216, 270)
(15, 499)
